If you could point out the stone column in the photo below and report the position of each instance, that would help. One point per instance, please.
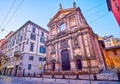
(82, 45)
(57, 57)
(90, 44)
(71, 54)
(71, 49)
(68, 23)
(99, 54)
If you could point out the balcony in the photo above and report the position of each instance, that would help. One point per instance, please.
(17, 53)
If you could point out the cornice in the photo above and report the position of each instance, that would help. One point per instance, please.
(67, 35)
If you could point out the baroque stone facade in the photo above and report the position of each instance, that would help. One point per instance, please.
(72, 45)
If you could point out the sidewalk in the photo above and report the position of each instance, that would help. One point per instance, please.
(1, 76)
(69, 81)
(55, 79)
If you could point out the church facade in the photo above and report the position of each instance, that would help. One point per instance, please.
(72, 45)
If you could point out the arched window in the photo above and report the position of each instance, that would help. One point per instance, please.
(62, 27)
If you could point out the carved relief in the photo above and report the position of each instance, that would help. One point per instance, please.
(53, 30)
(75, 43)
(64, 44)
(72, 21)
(53, 50)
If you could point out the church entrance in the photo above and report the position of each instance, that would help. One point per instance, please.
(65, 60)
(79, 64)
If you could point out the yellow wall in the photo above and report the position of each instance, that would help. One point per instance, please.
(114, 42)
(113, 60)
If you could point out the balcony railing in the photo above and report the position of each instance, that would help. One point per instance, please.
(17, 53)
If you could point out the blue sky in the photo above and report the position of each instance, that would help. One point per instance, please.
(40, 11)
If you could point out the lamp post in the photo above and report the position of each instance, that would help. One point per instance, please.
(89, 69)
(20, 70)
(42, 68)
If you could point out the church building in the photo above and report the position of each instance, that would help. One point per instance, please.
(72, 45)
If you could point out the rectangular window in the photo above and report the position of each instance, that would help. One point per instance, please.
(30, 57)
(42, 40)
(13, 42)
(117, 6)
(17, 40)
(16, 48)
(42, 33)
(29, 66)
(13, 60)
(40, 58)
(44, 59)
(19, 47)
(21, 38)
(108, 40)
(23, 46)
(42, 49)
(18, 35)
(15, 37)
(33, 29)
(115, 52)
(31, 46)
(21, 57)
(33, 36)
(62, 27)
(19, 68)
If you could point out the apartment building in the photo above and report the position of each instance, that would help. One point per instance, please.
(26, 52)
(3, 49)
(111, 51)
(110, 41)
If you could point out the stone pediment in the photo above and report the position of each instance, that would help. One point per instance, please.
(61, 14)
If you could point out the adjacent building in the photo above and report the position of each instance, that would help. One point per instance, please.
(114, 6)
(113, 54)
(72, 45)
(3, 49)
(111, 41)
(26, 52)
(111, 49)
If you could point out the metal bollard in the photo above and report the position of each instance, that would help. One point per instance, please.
(55, 79)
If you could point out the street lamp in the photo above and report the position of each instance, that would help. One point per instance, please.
(41, 67)
(89, 68)
(21, 68)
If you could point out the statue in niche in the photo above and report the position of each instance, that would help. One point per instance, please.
(75, 42)
(53, 48)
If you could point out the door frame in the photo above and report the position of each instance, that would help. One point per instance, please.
(53, 61)
(69, 68)
(78, 57)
